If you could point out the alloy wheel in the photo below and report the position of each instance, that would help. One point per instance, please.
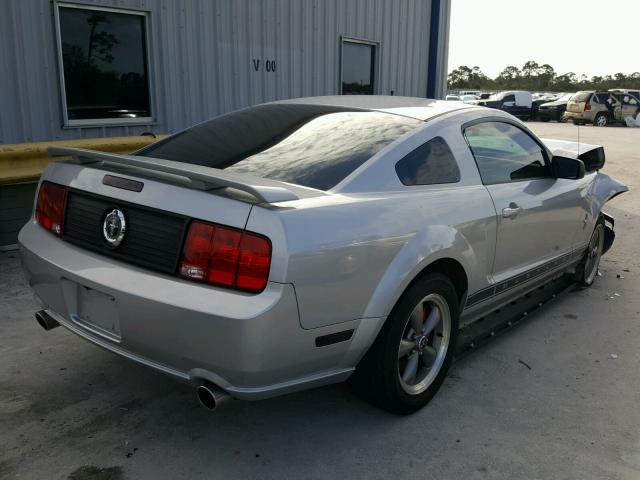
(424, 344)
(594, 253)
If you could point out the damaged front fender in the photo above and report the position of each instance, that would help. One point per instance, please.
(604, 188)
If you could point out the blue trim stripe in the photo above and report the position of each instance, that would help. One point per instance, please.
(434, 35)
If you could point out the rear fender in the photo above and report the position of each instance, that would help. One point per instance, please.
(427, 246)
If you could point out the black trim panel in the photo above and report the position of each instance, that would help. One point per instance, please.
(124, 183)
(508, 284)
(332, 338)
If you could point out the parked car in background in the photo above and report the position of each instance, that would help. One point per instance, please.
(603, 108)
(452, 98)
(626, 104)
(298, 243)
(535, 105)
(469, 99)
(590, 107)
(554, 110)
(516, 102)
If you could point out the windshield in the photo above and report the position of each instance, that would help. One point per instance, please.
(311, 145)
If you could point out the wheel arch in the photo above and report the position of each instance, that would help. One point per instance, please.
(450, 268)
(445, 265)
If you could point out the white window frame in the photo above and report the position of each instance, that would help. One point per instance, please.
(101, 122)
(376, 59)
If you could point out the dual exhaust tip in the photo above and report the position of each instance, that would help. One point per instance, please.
(46, 321)
(210, 396)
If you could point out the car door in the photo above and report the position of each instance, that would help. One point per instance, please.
(537, 214)
(509, 103)
(630, 106)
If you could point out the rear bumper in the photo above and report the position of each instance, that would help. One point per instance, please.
(550, 114)
(253, 346)
(581, 116)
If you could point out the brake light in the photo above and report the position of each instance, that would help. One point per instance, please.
(587, 106)
(52, 199)
(226, 257)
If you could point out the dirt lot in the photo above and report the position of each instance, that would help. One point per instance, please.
(71, 410)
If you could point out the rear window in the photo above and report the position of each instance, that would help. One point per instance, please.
(311, 145)
(581, 97)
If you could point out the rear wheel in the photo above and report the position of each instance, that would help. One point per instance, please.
(587, 269)
(601, 120)
(407, 363)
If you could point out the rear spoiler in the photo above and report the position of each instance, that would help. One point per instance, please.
(201, 178)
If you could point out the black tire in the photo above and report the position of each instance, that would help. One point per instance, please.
(377, 378)
(586, 272)
(544, 119)
(601, 120)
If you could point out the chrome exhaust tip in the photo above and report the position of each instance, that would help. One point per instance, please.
(211, 396)
(46, 321)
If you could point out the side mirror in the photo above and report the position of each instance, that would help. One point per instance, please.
(565, 167)
(593, 159)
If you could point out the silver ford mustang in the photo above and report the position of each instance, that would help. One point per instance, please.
(303, 242)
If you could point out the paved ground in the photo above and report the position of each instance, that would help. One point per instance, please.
(72, 410)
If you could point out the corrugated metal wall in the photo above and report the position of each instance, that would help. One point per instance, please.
(201, 57)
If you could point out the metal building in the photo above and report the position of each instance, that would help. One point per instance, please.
(71, 69)
(90, 69)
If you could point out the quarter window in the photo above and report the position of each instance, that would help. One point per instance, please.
(430, 164)
(505, 153)
(358, 67)
(104, 65)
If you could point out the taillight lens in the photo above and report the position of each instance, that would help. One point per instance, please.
(587, 106)
(52, 199)
(226, 256)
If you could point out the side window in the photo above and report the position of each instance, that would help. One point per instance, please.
(509, 98)
(505, 153)
(429, 164)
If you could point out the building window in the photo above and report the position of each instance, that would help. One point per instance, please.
(358, 67)
(105, 75)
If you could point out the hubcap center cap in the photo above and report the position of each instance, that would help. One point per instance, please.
(421, 342)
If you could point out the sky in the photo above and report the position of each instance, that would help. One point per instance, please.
(566, 34)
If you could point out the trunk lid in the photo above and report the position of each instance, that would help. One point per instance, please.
(158, 200)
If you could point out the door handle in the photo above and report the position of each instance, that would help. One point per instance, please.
(511, 211)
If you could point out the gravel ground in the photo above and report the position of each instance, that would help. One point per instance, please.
(71, 410)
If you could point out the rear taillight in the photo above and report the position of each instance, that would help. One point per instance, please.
(226, 257)
(587, 106)
(52, 199)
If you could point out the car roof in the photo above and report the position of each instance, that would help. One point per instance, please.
(413, 107)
